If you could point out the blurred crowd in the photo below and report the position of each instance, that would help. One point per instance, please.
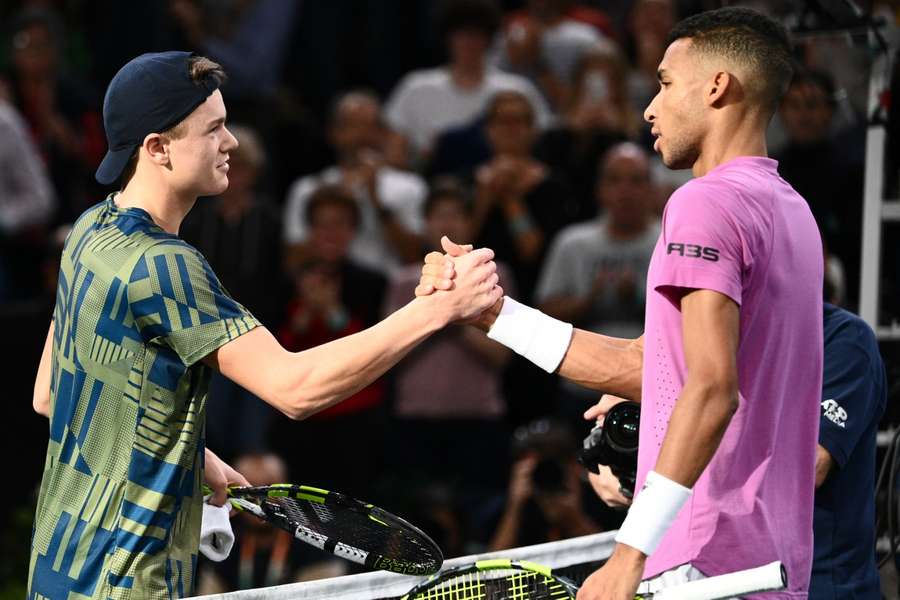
(367, 131)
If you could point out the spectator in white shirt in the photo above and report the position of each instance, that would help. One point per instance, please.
(428, 102)
(390, 200)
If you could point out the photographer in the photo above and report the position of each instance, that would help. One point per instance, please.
(545, 499)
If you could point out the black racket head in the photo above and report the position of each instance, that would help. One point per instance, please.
(499, 579)
(345, 527)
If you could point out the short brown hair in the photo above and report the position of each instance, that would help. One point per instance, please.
(332, 195)
(201, 69)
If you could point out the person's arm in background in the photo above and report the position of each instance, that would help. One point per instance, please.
(520, 490)
(41, 398)
(402, 226)
(824, 463)
(853, 394)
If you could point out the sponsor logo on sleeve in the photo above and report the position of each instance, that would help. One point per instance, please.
(834, 413)
(693, 251)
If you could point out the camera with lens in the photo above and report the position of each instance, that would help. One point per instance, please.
(615, 444)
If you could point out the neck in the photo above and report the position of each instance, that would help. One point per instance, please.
(467, 74)
(165, 206)
(741, 135)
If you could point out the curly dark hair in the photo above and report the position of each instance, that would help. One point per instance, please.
(454, 15)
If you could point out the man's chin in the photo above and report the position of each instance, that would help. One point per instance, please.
(218, 187)
(676, 163)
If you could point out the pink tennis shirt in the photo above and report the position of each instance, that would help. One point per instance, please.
(742, 231)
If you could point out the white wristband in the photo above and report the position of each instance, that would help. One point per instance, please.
(654, 509)
(527, 331)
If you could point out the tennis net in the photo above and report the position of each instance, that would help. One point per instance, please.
(574, 558)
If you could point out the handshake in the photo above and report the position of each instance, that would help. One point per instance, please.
(462, 284)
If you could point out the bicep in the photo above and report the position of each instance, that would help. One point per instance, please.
(256, 362)
(711, 328)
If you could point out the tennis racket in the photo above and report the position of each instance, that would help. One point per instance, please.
(761, 579)
(495, 580)
(343, 526)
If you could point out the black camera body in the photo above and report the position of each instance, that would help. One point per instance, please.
(615, 444)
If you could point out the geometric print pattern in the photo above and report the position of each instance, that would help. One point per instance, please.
(119, 509)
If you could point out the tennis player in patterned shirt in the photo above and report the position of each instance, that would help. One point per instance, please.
(140, 321)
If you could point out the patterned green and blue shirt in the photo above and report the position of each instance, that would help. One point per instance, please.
(120, 503)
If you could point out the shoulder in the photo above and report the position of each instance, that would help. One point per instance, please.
(174, 246)
(403, 181)
(702, 192)
(844, 328)
(497, 80)
(703, 203)
(578, 235)
(422, 80)
(301, 187)
(576, 31)
(171, 258)
(88, 220)
(10, 119)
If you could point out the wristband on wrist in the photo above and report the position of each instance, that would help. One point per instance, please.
(530, 333)
(655, 508)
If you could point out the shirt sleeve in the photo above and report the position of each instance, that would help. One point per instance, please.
(396, 112)
(295, 230)
(702, 244)
(408, 204)
(177, 301)
(851, 401)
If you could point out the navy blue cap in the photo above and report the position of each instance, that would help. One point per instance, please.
(150, 94)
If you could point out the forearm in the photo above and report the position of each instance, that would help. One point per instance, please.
(823, 465)
(599, 362)
(41, 397)
(608, 364)
(322, 376)
(507, 534)
(699, 420)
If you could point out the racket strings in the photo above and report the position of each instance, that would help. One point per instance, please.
(498, 585)
(355, 529)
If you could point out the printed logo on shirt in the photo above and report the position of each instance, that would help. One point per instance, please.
(834, 413)
(693, 251)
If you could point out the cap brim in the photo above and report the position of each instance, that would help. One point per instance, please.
(113, 164)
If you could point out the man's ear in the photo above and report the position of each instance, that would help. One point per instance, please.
(719, 85)
(157, 148)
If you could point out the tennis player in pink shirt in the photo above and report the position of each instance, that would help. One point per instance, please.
(729, 369)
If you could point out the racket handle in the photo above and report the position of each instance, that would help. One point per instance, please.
(761, 579)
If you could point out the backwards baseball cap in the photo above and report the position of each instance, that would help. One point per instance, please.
(150, 94)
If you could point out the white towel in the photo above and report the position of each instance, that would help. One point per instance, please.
(216, 536)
